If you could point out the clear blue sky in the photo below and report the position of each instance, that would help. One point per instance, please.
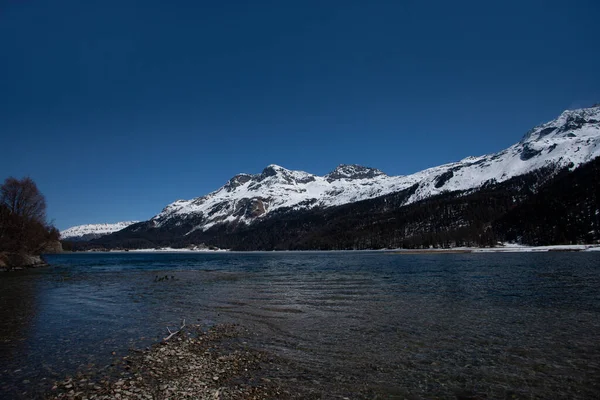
(117, 108)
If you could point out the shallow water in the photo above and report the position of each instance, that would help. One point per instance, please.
(354, 324)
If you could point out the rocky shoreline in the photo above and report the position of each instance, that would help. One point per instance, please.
(18, 261)
(192, 364)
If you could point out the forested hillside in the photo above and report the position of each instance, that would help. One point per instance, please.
(567, 211)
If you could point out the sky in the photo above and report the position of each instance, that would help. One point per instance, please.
(118, 108)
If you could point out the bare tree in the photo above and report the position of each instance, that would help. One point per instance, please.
(23, 199)
(23, 226)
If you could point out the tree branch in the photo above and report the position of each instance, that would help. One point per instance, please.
(171, 334)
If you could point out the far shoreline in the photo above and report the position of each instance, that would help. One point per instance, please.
(509, 248)
(503, 249)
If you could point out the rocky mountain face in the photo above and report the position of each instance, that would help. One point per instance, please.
(92, 231)
(245, 198)
(568, 141)
(252, 202)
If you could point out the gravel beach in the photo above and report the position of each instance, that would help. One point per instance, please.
(192, 364)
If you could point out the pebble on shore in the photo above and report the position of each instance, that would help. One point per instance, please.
(192, 365)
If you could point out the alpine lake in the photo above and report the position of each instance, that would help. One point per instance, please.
(337, 324)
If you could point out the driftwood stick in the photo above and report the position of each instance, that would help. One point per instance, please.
(171, 334)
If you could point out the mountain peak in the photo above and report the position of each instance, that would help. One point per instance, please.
(353, 171)
(272, 170)
(237, 180)
(276, 167)
(567, 121)
(592, 112)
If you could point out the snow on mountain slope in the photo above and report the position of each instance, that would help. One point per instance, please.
(93, 231)
(568, 141)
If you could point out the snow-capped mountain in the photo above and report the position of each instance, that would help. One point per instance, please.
(93, 231)
(568, 141)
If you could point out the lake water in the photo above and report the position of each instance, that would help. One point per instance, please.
(352, 324)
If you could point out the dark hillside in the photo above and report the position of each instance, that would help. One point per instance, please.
(565, 211)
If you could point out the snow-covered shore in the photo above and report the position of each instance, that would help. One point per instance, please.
(170, 250)
(507, 248)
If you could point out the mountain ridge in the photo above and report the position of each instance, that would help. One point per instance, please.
(570, 140)
(93, 231)
(543, 207)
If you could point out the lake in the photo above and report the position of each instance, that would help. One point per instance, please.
(518, 325)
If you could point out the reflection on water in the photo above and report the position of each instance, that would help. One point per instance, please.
(496, 325)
